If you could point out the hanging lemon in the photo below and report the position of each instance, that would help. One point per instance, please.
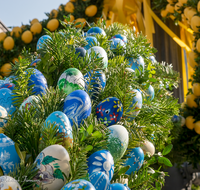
(34, 21)
(191, 13)
(91, 10)
(189, 122)
(54, 13)
(6, 69)
(197, 127)
(69, 7)
(197, 45)
(191, 58)
(14, 60)
(73, 0)
(27, 37)
(36, 28)
(71, 19)
(195, 21)
(16, 31)
(2, 36)
(196, 89)
(163, 13)
(170, 8)
(190, 101)
(53, 24)
(82, 20)
(8, 43)
(186, 10)
(198, 7)
(177, 7)
(182, 1)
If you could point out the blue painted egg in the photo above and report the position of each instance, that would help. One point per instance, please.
(175, 119)
(28, 102)
(117, 46)
(100, 180)
(79, 184)
(135, 161)
(122, 37)
(96, 30)
(8, 155)
(6, 100)
(101, 53)
(3, 114)
(153, 59)
(91, 41)
(81, 51)
(150, 93)
(101, 161)
(109, 111)
(118, 186)
(38, 80)
(136, 63)
(10, 86)
(59, 119)
(42, 40)
(34, 63)
(117, 141)
(77, 106)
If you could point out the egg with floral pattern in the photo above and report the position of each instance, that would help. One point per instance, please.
(135, 161)
(91, 41)
(3, 114)
(9, 183)
(109, 111)
(42, 41)
(28, 102)
(60, 120)
(122, 37)
(101, 161)
(136, 63)
(53, 165)
(71, 80)
(118, 186)
(96, 30)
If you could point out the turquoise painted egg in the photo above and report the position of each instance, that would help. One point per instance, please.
(96, 30)
(136, 63)
(118, 186)
(91, 41)
(42, 41)
(79, 184)
(77, 106)
(109, 111)
(117, 46)
(9, 183)
(101, 53)
(28, 102)
(3, 114)
(150, 93)
(135, 161)
(11, 86)
(71, 80)
(8, 154)
(60, 120)
(117, 141)
(122, 37)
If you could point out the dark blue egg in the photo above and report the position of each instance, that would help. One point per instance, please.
(101, 161)
(150, 93)
(81, 51)
(34, 63)
(11, 86)
(135, 63)
(117, 46)
(42, 40)
(96, 30)
(77, 106)
(91, 41)
(38, 80)
(109, 111)
(135, 161)
(175, 119)
(118, 186)
(122, 37)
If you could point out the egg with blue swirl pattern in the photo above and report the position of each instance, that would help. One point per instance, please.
(42, 41)
(91, 41)
(118, 186)
(117, 46)
(136, 63)
(122, 37)
(96, 30)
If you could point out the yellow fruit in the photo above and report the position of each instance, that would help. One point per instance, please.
(177, 7)
(198, 7)
(163, 13)
(16, 31)
(6, 69)
(71, 19)
(191, 13)
(54, 13)
(91, 10)
(53, 24)
(170, 8)
(73, 0)
(190, 101)
(82, 20)
(189, 122)
(196, 89)
(197, 45)
(36, 28)
(2, 36)
(182, 1)
(197, 127)
(15, 60)
(191, 58)
(170, 1)
(8, 43)
(34, 21)
(69, 7)
(195, 21)
(27, 37)
(186, 10)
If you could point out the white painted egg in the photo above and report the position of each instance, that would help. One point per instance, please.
(28, 102)
(147, 146)
(9, 183)
(3, 114)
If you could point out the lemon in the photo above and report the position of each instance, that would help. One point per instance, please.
(182, 1)
(91, 10)
(14, 60)
(198, 7)
(2, 36)
(82, 20)
(190, 101)
(189, 122)
(71, 19)
(69, 7)
(53, 24)
(170, 8)
(27, 37)
(197, 45)
(16, 31)
(195, 21)
(177, 7)
(191, 58)
(197, 127)
(6, 69)
(8, 43)
(196, 89)
(34, 21)
(36, 28)
(191, 13)
(186, 10)
(163, 13)
(54, 13)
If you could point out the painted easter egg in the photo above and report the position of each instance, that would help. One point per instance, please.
(11, 86)
(9, 157)
(77, 106)
(118, 186)
(96, 30)
(28, 102)
(100, 180)
(122, 37)
(80, 51)
(60, 119)
(3, 114)
(6, 100)
(147, 146)
(175, 119)
(71, 80)
(135, 161)
(9, 183)
(117, 141)
(109, 111)
(52, 162)
(136, 63)
(34, 63)
(38, 81)
(79, 184)
(150, 93)
(153, 59)
(117, 46)
(101, 53)
(101, 161)
(91, 41)
(10, 79)
(42, 41)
